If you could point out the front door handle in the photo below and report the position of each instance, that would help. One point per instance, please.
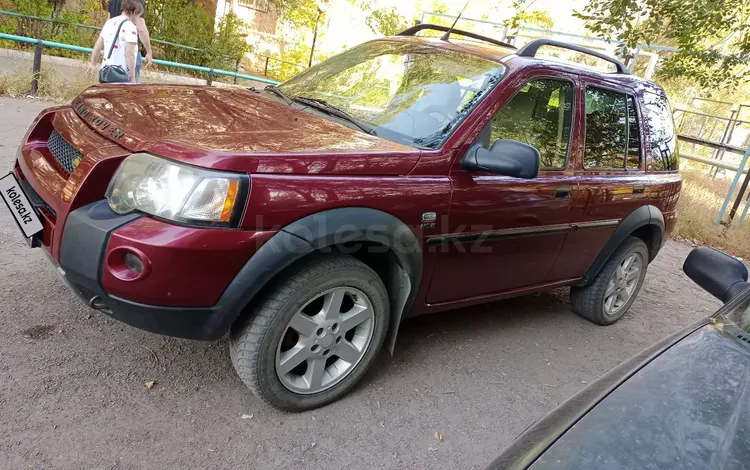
(563, 192)
(639, 189)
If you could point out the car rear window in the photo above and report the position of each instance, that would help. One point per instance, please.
(612, 132)
(663, 154)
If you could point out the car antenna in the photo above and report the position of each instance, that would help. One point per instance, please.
(447, 34)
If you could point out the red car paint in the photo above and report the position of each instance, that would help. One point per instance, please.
(201, 262)
(300, 164)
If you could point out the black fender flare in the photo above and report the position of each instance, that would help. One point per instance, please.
(335, 227)
(641, 217)
(318, 233)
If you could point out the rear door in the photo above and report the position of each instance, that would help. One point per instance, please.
(506, 233)
(610, 178)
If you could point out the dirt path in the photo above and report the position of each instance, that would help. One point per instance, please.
(72, 393)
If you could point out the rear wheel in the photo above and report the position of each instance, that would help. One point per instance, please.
(616, 286)
(314, 335)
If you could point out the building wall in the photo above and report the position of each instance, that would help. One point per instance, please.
(262, 22)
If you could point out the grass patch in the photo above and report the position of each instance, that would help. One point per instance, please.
(53, 86)
(700, 201)
(62, 87)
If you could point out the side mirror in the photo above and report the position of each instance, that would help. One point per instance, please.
(506, 157)
(719, 274)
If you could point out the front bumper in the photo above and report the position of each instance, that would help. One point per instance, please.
(92, 231)
(84, 241)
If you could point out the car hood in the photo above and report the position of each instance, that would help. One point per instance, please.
(215, 127)
(688, 408)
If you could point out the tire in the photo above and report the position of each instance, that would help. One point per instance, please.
(590, 302)
(259, 344)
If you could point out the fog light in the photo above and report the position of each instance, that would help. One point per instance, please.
(128, 264)
(133, 263)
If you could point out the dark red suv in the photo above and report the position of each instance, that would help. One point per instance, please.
(406, 176)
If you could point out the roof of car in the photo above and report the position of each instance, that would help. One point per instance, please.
(508, 57)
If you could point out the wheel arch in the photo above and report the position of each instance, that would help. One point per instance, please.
(646, 223)
(378, 239)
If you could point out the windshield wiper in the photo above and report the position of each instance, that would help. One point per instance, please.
(278, 92)
(326, 107)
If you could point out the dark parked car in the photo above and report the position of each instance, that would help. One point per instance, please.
(406, 176)
(682, 403)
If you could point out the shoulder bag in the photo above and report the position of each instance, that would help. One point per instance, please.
(114, 73)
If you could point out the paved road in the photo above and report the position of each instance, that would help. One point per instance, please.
(72, 394)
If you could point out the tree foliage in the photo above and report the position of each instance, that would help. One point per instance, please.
(63, 30)
(386, 21)
(713, 37)
(176, 21)
(190, 24)
(538, 18)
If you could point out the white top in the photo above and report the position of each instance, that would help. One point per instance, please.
(128, 34)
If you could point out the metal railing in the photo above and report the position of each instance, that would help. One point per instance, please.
(710, 143)
(88, 26)
(707, 137)
(264, 58)
(40, 44)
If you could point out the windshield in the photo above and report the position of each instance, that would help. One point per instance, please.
(740, 315)
(413, 94)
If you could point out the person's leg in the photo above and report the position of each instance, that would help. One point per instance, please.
(138, 64)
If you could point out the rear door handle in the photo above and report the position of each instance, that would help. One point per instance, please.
(563, 192)
(639, 189)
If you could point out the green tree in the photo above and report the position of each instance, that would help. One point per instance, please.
(713, 37)
(538, 18)
(386, 21)
(190, 24)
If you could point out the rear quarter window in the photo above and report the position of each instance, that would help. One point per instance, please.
(661, 136)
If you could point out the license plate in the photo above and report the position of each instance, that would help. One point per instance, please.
(18, 204)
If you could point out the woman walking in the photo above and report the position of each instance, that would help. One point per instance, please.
(118, 41)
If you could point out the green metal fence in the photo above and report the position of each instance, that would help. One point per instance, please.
(263, 58)
(41, 44)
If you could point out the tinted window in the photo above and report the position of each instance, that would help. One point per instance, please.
(606, 129)
(663, 155)
(634, 137)
(410, 93)
(539, 114)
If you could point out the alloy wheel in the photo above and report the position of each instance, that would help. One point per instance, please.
(623, 284)
(325, 340)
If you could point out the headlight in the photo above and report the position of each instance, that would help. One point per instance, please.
(170, 190)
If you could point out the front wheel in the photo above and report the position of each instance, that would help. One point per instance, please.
(315, 334)
(615, 288)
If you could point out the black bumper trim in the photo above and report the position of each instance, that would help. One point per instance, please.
(86, 234)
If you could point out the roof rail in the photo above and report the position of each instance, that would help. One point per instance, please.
(434, 27)
(530, 50)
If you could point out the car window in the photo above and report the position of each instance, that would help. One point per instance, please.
(663, 154)
(539, 114)
(740, 314)
(606, 129)
(634, 137)
(409, 93)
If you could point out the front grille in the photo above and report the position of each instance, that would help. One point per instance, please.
(65, 154)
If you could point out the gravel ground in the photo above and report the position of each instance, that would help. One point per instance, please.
(72, 391)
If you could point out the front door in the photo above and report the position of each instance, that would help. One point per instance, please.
(506, 233)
